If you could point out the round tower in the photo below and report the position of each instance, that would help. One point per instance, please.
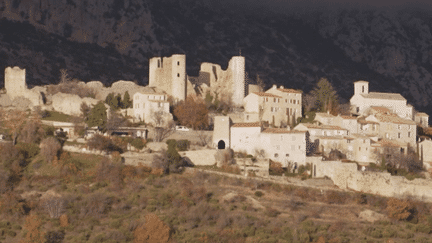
(238, 82)
(361, 87)
(179, 76)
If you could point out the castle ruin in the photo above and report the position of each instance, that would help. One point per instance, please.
(15, 85)
(169, 74)
(229, 84)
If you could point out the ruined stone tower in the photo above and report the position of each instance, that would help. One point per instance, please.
(169, 74)
(15, 83)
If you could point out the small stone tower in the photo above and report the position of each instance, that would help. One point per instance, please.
(15, 83)
(221, 132)
(361, 87)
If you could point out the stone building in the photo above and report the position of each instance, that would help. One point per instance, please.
(169, 75)
(422, 119)
(363, 99)
(291, 100)
(278, 144)
(229, 84)
(152, 108)
(279, 107)
(16, 87)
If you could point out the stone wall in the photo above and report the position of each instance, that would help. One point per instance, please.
(70, 104)
(346, 176)
(200, 157)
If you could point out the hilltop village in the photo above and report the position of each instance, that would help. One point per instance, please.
(255, 131)
(210, 158)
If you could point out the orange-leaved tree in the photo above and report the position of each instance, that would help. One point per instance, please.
(192, 112)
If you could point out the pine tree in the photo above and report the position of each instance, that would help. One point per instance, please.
(98, 116)
(326, 97)
(127, 102)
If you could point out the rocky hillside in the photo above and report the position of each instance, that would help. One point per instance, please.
(113, 39)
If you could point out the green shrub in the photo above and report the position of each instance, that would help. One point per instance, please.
(138, 143)
(116, 224)
(259, 193)
(423, 228)
(183, 145)
(11, 233)
(4, 224)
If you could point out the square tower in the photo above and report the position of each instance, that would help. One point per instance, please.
(361, 87)
(15, 83)
(221, 132)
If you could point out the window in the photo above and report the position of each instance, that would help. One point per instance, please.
(399, 135)
(399, 127)
(178, 63)
(276, 155)
(247, 117)
(348, 141)
(274, 100)
(266, 99)
(359, 148)
(364, 140)
(286, 100)
(299, 147)
(286, 155)
(362, 89)
(358, 109)
(178, 74)
(409, 134)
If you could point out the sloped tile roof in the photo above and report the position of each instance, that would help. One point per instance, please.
(280, 130)
(422, 114)
(262, 94)
(385, 96)
(247, 124)
(393, 118)
(381, 109)
(290, 91)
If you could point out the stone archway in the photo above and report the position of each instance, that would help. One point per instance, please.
(221, 144)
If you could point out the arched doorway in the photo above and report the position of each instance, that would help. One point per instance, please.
(221, 144)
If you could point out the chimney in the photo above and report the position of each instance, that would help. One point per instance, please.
(281, 86)
(274, 86)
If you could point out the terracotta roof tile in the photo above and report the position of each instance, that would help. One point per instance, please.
(385, 96)
(280, 130)
(266, 94)
(393, 118)
(247, 124)
(422, 114)
(290, 91)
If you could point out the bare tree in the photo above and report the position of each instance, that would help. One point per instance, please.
(163, 132)
(64, 77)
(54, 206)
(49, 148)
(13, 120)
(394, 158)
(114, 121)
(309, 102)
(204, 137)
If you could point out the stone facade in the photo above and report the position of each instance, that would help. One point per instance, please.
(229, 84)
(16, 87)
(363, 99)
(146, 105)
(221, 132)
(169, 74)
(70, 104)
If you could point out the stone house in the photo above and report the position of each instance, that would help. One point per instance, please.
(245, 137)
(422, 119)
(152, 108)
(323, 138)
(393, 127)
(267, 107)
(363, 99)
(291, 100)
(277, 106)
(284, 146)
